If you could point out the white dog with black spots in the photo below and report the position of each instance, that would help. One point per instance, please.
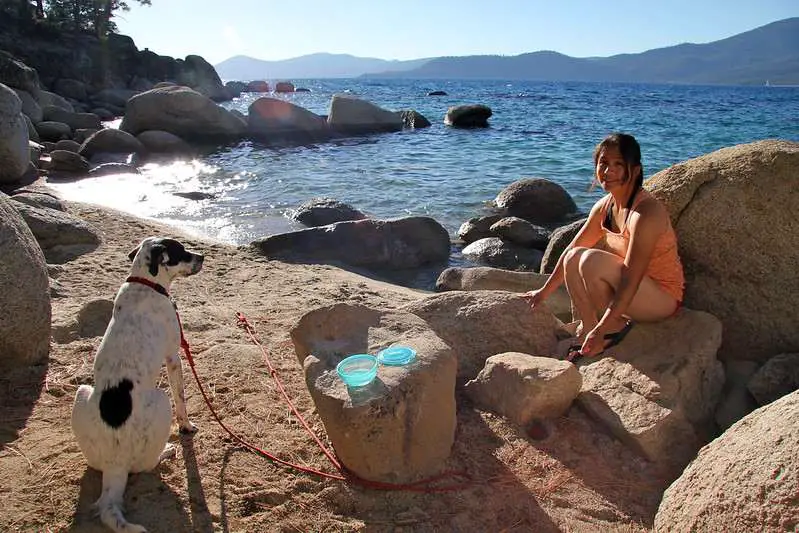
(122, 424)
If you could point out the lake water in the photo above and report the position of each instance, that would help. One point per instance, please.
(537, 129)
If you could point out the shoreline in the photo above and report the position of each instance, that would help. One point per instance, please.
(211, 483)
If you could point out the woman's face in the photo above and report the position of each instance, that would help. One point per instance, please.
(611, 169)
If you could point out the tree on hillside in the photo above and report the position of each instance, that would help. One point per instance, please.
(76, 15)
(22, 11)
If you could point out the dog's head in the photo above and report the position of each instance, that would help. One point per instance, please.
(164, 258)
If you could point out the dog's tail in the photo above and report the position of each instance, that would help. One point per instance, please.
(110, 503)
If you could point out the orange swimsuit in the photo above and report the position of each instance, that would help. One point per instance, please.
(664, 268)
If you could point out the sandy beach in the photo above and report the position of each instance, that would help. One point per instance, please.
(568, 477)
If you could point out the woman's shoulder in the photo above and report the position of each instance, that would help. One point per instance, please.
(602, 203)
(650, 207)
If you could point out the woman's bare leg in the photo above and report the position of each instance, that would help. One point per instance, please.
(582, 302)
(601, 274)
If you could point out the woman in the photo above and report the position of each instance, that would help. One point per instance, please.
(622, 266)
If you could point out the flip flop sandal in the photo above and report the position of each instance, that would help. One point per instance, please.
(616, 337)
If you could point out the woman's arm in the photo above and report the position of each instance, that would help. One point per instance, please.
(588, 236)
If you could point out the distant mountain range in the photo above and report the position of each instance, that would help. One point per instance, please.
(320, 65)
(769, 53)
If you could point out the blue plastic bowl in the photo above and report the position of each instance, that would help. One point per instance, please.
(357, 370)
(396, 355)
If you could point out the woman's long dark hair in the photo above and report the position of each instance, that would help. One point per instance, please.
(630, 151)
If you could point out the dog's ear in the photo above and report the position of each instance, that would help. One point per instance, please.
(133, 253)
(156, 253)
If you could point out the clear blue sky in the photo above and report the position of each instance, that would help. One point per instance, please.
(410, 29)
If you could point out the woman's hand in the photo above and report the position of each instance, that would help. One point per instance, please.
(594, 342)
(534, 297)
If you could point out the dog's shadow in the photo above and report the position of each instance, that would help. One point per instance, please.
(148, 500)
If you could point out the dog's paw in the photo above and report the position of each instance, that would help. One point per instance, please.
(188, 429)
(170, 451)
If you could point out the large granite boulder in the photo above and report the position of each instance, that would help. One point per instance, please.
(350, 115)
(17, 75)
(480, 324)
(273, 119)
(30, 107)
(745, 480)
(112, 141)
(14, 154)
(38, 198)
(182, 112)
(200, 75)
(24, 292)
(734, 212)
(400, 427)
(59, 234)
(407, 242)
(537, 200)
(658, 391)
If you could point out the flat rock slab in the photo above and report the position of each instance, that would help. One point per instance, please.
(479, 324)
(658, 389)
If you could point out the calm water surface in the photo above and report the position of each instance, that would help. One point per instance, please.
(537, 130)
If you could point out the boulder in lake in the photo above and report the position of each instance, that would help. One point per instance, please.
(412, 119)
(182, 112)
(478, 228)
(468, 116)
(200, 75)
(402, 243)
(351, 115)
(273, 119)
(495, 252)
(537, 200)
(521, 232)
(324, 211)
